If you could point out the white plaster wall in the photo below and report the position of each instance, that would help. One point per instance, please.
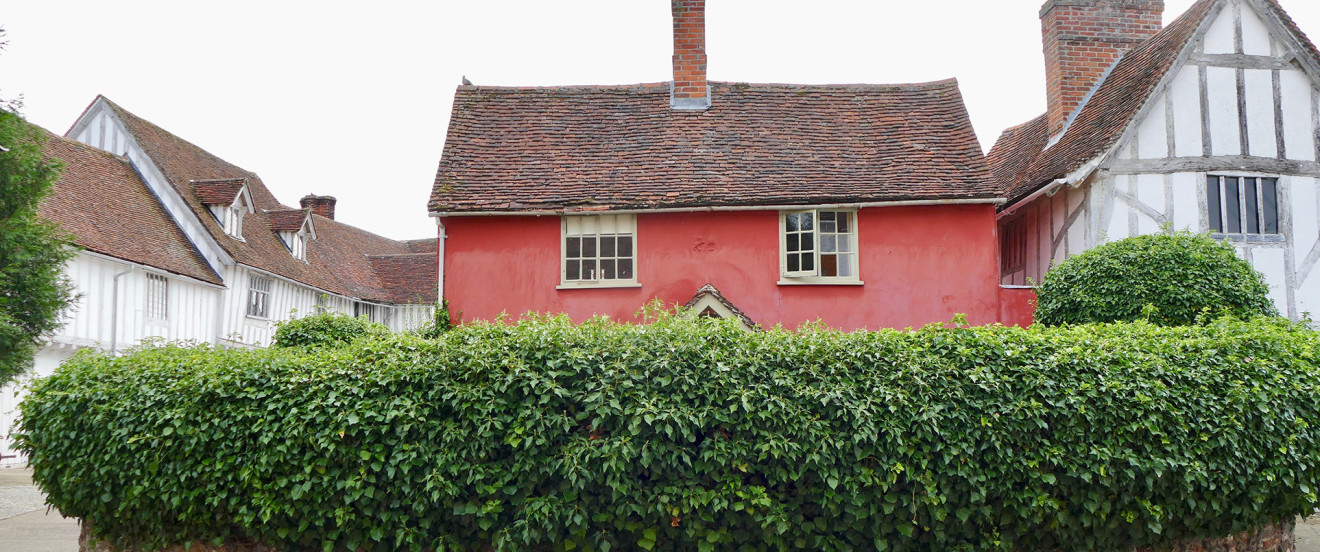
(1076, 231)
(1152, 135)
(1186, 92)
(1221, 90)
(88, 321)
(1219, 38)
(1186, 208)
(1256, 39)
(1298, 128)
(1260, 113)
(1150, 192)
(1306, 239)
(1269, 260)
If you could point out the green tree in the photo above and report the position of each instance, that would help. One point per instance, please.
(33, 251)
(1168, 279)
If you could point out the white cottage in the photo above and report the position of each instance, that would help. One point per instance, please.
(179, 245)
(1209, 125)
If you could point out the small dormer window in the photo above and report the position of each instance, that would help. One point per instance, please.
(295, 229)
(296, 243)
(233, 219)
(228, 201)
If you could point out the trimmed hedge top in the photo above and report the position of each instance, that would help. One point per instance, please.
(326, 329)
(1181, 275)
(693, 435)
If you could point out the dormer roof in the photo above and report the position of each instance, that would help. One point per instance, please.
(222, 191)
(291, 220)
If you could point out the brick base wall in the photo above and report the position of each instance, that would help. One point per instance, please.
(1270, 538)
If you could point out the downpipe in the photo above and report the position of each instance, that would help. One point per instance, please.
(114, 310)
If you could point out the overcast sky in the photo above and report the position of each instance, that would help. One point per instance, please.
(352, 99)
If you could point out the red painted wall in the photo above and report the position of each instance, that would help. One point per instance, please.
(920, 264)
(1017, 306)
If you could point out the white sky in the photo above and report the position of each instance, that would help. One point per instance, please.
(352, 99)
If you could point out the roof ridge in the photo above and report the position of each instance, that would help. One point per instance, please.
(424, 253)
(660, 86)
(362, 230)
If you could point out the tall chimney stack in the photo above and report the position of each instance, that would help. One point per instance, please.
(321, 205)
(1082, 39)
(689, 89)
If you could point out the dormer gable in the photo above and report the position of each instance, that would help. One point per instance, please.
(708, 302)
(228, 200)
(295, 228)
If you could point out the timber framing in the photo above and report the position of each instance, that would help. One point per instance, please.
(1244, 163)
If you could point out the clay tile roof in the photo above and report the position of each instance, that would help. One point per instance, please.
(103, 202)
(1287, 20)
(1021, 168)
(219, 192)
(287, 220)
(406, 276)
(1017, 148)
(429, 245)
(601, 148)
(336, 261)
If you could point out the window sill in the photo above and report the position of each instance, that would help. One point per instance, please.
(597, 285)
(257, 321)
(1250, 238)
(819, 282)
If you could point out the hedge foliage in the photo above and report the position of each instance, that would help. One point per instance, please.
(327, 329)
(693, 435)
(1181, 274)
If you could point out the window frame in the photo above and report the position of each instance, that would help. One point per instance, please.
(626, 223)
(1242, 204)
(258, 299)
(156, 297)
(813, 277)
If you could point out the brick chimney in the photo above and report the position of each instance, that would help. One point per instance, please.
(321, 205)
(689, 89)
(1082, 39)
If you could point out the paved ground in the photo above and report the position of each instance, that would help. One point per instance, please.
(27, 526)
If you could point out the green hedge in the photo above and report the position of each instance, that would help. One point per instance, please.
(693, 435)
(328, 329)
(1168, 279)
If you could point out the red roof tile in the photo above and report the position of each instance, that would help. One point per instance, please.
(336, 260)
(287, 220)
(1020, 167)
(600, 148)
(219, 192)
(103, 202)
(403, 276)
(1017, 148)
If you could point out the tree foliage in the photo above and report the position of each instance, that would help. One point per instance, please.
(33, 289)
(693, 435)
(1168, 279)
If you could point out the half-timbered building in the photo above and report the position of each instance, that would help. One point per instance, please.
(1209, 125)
(175, 244)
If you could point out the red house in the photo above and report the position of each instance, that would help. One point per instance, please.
(863, 206)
